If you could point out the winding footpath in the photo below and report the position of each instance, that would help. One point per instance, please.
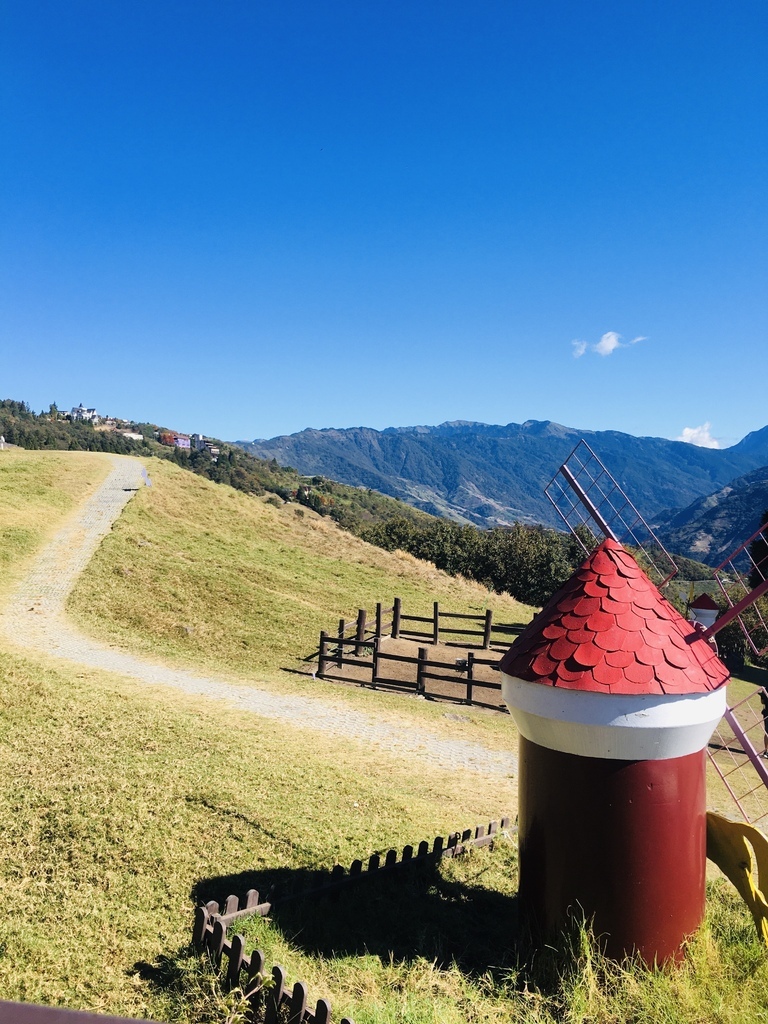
(34, 618)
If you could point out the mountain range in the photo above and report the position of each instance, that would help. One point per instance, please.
(492, 475)
(712, 527)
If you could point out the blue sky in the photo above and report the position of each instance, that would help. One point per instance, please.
(248, 218)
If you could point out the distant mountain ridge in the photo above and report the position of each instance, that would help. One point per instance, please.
(493, 475)
(712, 527)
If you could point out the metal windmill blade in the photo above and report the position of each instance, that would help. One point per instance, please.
(738, 748)
(743, 579)
(593, 506)
(735, 751)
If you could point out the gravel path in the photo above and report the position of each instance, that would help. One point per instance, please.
(34, 618)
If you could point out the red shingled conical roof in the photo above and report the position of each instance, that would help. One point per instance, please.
(609, 630)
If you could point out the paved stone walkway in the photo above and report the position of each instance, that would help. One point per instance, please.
(34, 618)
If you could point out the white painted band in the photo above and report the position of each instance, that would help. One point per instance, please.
(647, 727)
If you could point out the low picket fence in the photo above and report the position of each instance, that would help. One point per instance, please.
(267, 990)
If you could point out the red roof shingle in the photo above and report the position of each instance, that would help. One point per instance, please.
(609, 630)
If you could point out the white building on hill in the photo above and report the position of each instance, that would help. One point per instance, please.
(87, 415)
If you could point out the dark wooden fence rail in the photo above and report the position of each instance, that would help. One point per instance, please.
(357, 644)
(29, 1013)
(440, 626)
(459, 673)
(212, 921)
(393, 622)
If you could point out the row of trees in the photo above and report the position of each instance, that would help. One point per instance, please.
(22, 427)
(528, 562)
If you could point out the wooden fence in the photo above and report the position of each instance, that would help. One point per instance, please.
(428, 669)
(356, 643)
(212, 921)
(30, 1013)
(394, 622)
(438, 627)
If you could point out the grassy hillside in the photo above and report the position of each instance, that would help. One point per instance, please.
(207, 576)
(117, 801)
(36, 492)
(121, 804)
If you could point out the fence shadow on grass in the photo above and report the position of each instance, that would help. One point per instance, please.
(417, 913)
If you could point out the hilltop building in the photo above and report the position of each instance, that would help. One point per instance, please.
(200, 444)
(80, 413)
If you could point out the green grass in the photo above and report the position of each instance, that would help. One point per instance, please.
(202, 574)
(460, 956)
(118, 802)
(37, 491)
(121, 805)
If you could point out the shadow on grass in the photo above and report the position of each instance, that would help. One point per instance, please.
(415, 912)
(752, 674)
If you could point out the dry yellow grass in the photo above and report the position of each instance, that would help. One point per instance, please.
(119, 801)
(205, 575)
(37, 491)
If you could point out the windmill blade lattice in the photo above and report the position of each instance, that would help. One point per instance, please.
(593, 506)
(743, 580)
(735, 752)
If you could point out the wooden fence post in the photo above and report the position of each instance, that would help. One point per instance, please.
(323, 657)
(378, 618)
(360, 630)
(323, 1012)
(420, 670)
(470, 675)
(217, 941)
(487, 629)
(375, 661)
(396, 619)
(236, 957)
(275, 995)
(340, 650)
(436, 624)
(199, 929)
(298, 1003)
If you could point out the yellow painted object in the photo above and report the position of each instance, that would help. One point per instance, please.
(741, 852)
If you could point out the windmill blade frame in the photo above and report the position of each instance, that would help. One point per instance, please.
(743, 580)
(594, 506)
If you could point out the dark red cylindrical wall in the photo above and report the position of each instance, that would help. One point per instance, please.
(625, 841)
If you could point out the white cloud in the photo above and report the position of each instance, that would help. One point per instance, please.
(609, 342)
(607, 345)
(699, 436)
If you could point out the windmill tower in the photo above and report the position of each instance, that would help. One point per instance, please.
(615, 696)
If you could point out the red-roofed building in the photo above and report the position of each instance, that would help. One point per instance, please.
(703, 610)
